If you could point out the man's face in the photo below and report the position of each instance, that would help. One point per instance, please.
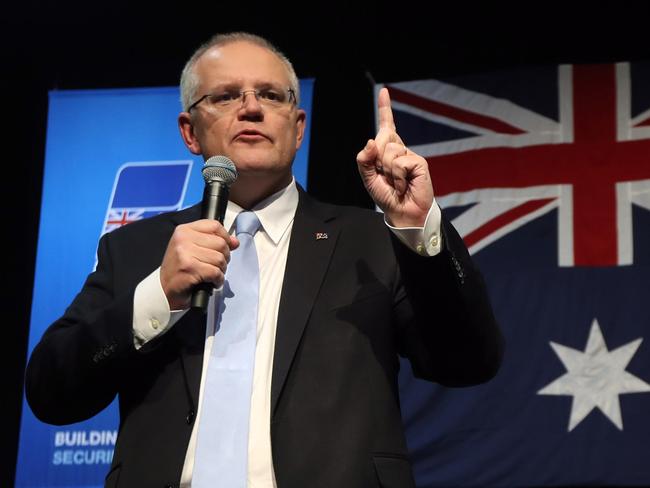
(260, 140)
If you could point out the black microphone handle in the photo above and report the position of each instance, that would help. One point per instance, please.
(213, 207)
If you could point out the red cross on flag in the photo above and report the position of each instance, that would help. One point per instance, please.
(590, 160)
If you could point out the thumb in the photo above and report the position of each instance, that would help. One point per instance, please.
(234, 243)
(368, 154)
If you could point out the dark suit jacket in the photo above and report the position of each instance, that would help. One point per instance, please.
(350, 304)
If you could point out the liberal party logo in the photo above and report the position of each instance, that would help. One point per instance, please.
(145, 189)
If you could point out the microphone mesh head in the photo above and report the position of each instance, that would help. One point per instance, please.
(219, 168)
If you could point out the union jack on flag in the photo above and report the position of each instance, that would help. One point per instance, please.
(545, 172)
(118, 217)
(589, 159)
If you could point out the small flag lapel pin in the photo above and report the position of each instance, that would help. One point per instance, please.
(321, 235)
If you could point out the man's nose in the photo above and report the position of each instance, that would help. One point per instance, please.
(250, 102)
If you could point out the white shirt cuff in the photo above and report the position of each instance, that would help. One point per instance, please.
(151, 314)
(425, 241)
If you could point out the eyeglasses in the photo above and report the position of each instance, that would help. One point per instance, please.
(231, 99)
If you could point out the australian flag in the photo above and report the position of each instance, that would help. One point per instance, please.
(545, 172)
(146, 189)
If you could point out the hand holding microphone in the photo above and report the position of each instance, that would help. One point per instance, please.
(198, 252)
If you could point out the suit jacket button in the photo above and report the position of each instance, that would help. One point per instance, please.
(190, 417)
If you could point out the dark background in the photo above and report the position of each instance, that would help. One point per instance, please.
(75, 45)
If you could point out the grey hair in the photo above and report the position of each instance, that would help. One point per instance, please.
(190, 82)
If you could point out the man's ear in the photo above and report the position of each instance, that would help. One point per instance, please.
(187, 133)
(301, 121)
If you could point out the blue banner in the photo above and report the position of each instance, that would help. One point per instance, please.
(112, 157)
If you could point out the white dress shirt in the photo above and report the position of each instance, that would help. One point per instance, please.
(152, 317)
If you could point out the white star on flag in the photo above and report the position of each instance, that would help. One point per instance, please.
(596, 377)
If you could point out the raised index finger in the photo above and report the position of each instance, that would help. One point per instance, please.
(385, 112)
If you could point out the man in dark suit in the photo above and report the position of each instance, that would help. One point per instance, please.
(343, 292)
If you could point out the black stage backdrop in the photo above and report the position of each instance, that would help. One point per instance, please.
(49, 45)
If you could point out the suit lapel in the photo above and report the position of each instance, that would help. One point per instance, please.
(313, 238)
(187, 215)
(190, 330)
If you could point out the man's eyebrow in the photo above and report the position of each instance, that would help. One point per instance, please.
(225, 85)
(269, 84)
(236, 85)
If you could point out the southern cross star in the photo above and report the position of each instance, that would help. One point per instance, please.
(596, 377)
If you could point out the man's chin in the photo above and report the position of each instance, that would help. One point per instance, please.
(250, 157)
(253, 162)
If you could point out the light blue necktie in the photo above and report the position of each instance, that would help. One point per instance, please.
(221, 458)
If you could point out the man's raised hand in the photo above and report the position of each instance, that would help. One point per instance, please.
(396, 178)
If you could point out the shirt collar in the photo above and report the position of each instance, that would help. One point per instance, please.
(275, 212)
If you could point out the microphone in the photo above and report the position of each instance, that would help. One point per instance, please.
(219, 173)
